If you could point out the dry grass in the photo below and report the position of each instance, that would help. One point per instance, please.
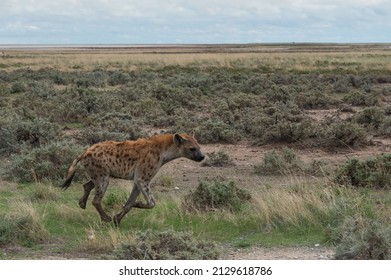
(275, 205)
(25, 222)
(98, 239)
(70, 213)
(274, 59)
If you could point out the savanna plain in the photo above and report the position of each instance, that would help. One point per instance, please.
(297, 139)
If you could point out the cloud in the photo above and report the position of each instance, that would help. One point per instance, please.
(202, 21)
(17, 26)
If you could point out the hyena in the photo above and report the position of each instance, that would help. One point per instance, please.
(137, 160)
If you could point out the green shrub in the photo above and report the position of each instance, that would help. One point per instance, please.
(92, 79)
(280, 162)
(315, 100)
(118, 78)
(15, 132)
(212, 195)
(281, 123)
(276, 94)
(92, 136)
(18, 87)
(362, 98)
(363, 239)
(111, 127)
(166, 245)
(344, 134)
(50, 161)
(373, 172)
(371, 117)
(385, 127)
(318, 168)
(213, 131)
(121, 123)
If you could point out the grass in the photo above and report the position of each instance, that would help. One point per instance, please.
(295, 215)
(270, 58)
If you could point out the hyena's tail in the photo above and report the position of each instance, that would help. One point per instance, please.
(71, 172)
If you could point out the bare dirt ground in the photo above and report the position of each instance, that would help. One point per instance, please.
(245, 157)
(315, 252)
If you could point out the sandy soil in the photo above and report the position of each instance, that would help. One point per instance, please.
(316, 252)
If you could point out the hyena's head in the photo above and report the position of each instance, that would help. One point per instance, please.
(188, 147)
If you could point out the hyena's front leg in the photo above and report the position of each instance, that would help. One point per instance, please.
(150, 201)
(128, 205)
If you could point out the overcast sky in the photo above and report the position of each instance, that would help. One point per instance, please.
(195, 21)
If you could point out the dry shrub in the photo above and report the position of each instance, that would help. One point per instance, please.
(363, 239)
(218, 159)
(284, 162)
(373, 172)
(165, 245)
(213, 195)
(50, 162)
(344, 134)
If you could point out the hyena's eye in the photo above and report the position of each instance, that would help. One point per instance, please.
(193, 149)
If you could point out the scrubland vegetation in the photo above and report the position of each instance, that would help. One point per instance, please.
(53, 104)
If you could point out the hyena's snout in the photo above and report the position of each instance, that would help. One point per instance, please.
(199, 157)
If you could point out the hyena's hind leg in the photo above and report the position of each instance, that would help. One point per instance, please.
(100, 190)
(87, 189)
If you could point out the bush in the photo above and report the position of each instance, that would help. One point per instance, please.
(363, 239)
(216, 195)
(315, 100)
(373, 172)
(279, 122)
(344, 134)
(112, 127)
(218, 159)
(217, 132)
(166, 245)
(18, 87)
(49, 161)
(371, 117)
(385, 127)
(92, 136)
(15, 132)
(361, 98)
(280, 162)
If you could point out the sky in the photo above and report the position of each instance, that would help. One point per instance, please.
(194, 21)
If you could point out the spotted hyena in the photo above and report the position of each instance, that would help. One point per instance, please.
(137, 160)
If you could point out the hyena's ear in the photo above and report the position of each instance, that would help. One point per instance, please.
(179, 140)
